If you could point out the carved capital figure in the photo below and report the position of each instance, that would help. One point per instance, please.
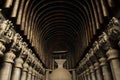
(18, 62)
(113, 30)
(25, 66)
(24, 49)
(103, 61)
(15, 46)
(104, 42)
(5, 31)
(9, 57)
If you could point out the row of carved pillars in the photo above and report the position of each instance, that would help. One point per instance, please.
(102, 62)
(102, 70)
(17, 61)
(16, 69)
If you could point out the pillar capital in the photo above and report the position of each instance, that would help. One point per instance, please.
(103, 61)
(9, 57)
(16, 43)
(112, 54)
(104, 41)
(113, 29)
(30, 70)
(88, 70)
(97, 65)
(25, 66)
(18, 62)
(33, 72)
(91, 68)
(6, 31)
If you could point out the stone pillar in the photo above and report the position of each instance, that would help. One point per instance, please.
(24, 71)
(88, 74)
(5, 71)
(92, 71)
(74, 74)
(29, 76)
(98, 71)
(47, 74)
(81, 76)
(85, 74)
(106, 72)
(38, 77)
(17, 69)
(33, 74)
(113, 57)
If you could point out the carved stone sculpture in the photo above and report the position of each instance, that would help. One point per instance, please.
(113, 30)
(15, 46)
(104, 42)
(5, 31)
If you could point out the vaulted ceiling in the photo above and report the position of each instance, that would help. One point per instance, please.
(55, 26)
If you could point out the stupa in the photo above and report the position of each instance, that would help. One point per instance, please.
(60, 73)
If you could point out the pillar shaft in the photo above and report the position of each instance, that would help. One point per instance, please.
(74, 74)
(16, 74)
(106, 72)
(113, 57)
(88, 74)
(98, 71)
(33, 74)
(24, 75)
(24, 71)
(33, 77)
(93, 77)
(17, 69)
(99, 75)
(47, 74)
(5, 71)
(29, 76)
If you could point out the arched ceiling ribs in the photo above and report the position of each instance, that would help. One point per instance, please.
(65, 32)
(69, 22)
(38, 22)
(24, 15)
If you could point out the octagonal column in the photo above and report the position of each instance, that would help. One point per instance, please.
(113, 57)
(106, 72)
(88, 74)
(24, 71)
(17, 69)
(33, 74)
(29, 76)
(5, 71)
(92, 71)
(98, 71)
